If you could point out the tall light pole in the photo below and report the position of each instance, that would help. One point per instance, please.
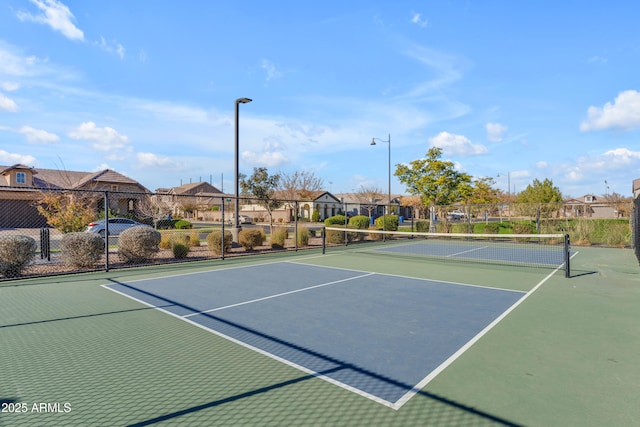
(508, 193)
(236, 228)
(388, 141)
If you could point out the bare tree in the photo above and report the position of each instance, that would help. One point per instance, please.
(369, 197)
(299, 185)
(156, 207)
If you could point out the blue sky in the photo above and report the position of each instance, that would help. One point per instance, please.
(510, 90)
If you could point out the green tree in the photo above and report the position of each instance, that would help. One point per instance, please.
(484, 198)
(67, 212)
(436, 181)
(541, 198)
(262, 187)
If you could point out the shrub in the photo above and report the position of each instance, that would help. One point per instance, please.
(335, 236)
(303, 236)
(166, 224)
(278, 237)
(335, 220)
(375, 236)
(249, 238)
(315, 216)
(214, 242)
(183, 224)
(194, 238)
(16, 252)
(492, 228)
(138, 244)
(82, 250)
(524, 228)
(359, 221)
(180, 250)
(387, 222)
(422, 226)
(459, 228)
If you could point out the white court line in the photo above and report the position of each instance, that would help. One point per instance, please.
(279, 295)
(470, 250)
(426, 380)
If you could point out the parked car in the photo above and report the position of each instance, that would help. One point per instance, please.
(243, 219)
(456, 216)
(116, 226)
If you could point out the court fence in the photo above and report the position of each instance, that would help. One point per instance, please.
(635, 227)
(192, 226)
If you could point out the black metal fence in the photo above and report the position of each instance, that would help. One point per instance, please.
(635, 227)
(48, 215)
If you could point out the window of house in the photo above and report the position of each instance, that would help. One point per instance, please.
(114, 187)
(588, 199)
(21, 178)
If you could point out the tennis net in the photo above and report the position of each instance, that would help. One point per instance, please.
(529, 250)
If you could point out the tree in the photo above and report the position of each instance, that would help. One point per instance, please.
(67, 212)
(484, 197)
(539, 198)
(299, 185)
(436, 181)
(262, 187)
(368, 197)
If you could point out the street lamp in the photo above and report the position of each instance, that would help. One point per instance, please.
(508, 193)
(236, 229)
(388, 141)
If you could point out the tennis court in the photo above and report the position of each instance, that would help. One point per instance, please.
(342, 338)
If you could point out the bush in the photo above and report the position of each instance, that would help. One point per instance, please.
(16, 252)
(524, 228)
(194, 238)
(180, 250)
(335, 220)
(492, 228)
(251, 237)
(315, 216)
(138, 244)
(335, 236)
(387, 222)
(214, 242)
(166, 224)
(183, 224)
(82, 250)
(361, 222)
(278, 237)
(422, 226)
(375, 236)
(303, 236)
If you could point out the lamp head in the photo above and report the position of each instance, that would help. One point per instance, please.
(243, 100)
(373, 141)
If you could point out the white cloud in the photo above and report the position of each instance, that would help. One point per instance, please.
(624, 113)
(12, 158)
(542, 165)
(56, 15)
(270, 69)
(495, 131)
(417, 19)
(112, 48)
(9, 86)
(104, 139)
(268, 159)
(36, 135)
(456, 145)
(151, 160)
(7, 104)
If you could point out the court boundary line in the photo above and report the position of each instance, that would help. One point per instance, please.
(281, 294)
(433, 374)
(265, 353)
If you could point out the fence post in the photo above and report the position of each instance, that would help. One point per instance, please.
(567, 256)
(106, 230)
(45, 244)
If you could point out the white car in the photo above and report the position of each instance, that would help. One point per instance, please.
(243, 219)
(116, 226)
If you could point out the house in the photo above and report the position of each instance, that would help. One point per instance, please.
(22, 186)
(190, 200)
(589, 206)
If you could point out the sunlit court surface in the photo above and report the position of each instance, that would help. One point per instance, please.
(345, 337)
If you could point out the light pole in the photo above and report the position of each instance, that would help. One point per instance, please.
(236, 221)
(508, 193)
(388, 141)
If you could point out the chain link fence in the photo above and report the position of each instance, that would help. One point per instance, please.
(635, 227)
(42, 224)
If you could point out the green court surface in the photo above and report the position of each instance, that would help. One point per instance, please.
(73, 353)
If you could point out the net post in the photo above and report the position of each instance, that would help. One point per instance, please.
(567, 256)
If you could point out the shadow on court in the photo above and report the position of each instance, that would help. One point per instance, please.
(339, 365)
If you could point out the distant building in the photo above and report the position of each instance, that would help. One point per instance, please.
(21, 186)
